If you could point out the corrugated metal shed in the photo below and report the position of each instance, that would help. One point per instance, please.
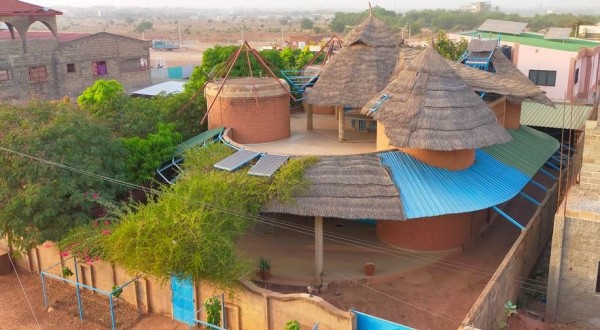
(527, 151)
(564, 116)
(430, 191)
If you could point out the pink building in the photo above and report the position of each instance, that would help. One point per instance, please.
(565, 69)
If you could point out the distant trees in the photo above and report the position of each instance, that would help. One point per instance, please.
(143, 26)
(307, 23)
(453, 20)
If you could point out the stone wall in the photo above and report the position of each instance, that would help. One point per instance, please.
(113, 49)
(249, 308)
(505, 283)
(573, 295)
(590, 170)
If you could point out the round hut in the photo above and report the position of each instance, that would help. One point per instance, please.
(358, 71)
(256, 109)
(429, 113)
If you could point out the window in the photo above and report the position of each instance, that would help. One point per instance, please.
(543, 77)
(38, 74)
(99, 68)
(71, 68)
(598, 279)
(576, 76)
(4, 75)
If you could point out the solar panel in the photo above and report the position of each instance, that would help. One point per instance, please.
(558, 33)
(237, 160)
(268, 165)
(509, 27)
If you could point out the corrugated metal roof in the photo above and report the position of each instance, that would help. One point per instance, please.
(166, 87)
(197, 140)
(527, 151)
(430, 191)
(564, 116)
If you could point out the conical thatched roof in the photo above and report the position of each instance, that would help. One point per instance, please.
(347, 187)
(360, 69)
(430, 107)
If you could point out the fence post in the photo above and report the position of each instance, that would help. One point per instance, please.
(77, 289)
(112, 311)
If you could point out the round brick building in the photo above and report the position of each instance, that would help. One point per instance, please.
(256, 109)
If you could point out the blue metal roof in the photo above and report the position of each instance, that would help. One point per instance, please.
(430, 191)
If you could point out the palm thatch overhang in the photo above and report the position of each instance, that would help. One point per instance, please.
(346, 187)
(507, 81)
(430, 107)
(360, 69)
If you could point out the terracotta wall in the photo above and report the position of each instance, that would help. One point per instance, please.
(323, 110)
(499, 108)
(453, 160)
(513, 115)
(504, 286)
(249, 308)
(252, 119)
(441, 233)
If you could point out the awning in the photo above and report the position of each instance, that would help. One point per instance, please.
(562, 116)
(431, 191)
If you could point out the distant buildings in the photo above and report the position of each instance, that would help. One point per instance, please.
(479, 7)
(52, 65)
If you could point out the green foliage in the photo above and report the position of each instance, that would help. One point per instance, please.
(450, 49)
(292, 325)
(145, 155)
(66, 272)
(212, 306)
(143, 26)
(85, 241)
(191, 227)
(264, 264)
(101, 93)
(40, 202)
(307, 23)
(117, 291)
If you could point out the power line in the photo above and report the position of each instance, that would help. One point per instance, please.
(300, 229)
(22, 287)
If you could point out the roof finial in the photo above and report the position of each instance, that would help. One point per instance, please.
(370, 9)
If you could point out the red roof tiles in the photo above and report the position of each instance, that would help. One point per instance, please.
(20, 8)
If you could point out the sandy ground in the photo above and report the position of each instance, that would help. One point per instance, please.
(15, 313)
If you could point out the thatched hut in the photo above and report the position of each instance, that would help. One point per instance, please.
(358, 71)
(432, 114)
(506, 80)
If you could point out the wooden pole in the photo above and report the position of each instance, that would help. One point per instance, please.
(318, 247)
(309, 117)
(341, 124)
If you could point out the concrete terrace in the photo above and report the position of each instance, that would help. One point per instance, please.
(321, 141)
(537, 40)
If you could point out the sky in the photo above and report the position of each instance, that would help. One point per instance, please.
(313, 4)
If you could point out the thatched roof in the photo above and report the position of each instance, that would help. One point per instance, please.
(482, 45)
(507, 80)
(360, 69)
(430, 107)
(347, 187)
(509, 85)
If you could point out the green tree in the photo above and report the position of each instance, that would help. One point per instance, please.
(100, 94)
(143, 26)
(307, 23)
(190, 228)
(40, 202)
(145, 155)
(450, 49)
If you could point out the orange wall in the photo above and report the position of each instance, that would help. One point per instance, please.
(513, 115)
(252, 119)
(441, 233)
(499, 108)
(452, 160)
(323, 110)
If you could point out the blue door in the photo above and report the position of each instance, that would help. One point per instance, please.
(184, 308)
